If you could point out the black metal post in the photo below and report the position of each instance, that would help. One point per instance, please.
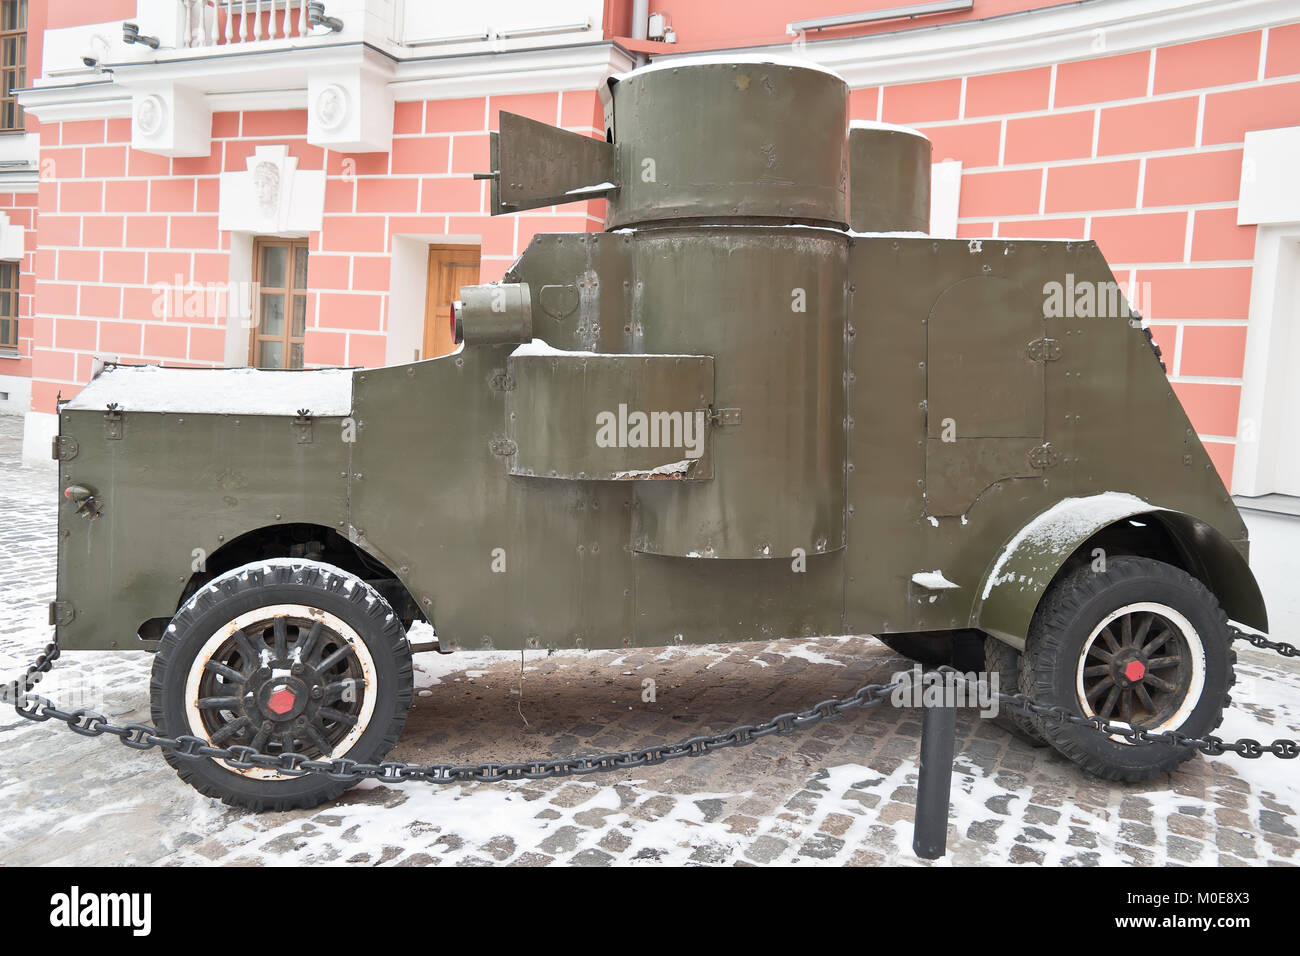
(938, 738)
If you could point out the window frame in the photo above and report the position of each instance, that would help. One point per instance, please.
(287, 292)
(12, 293)
(9, 102)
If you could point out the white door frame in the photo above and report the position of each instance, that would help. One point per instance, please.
(1272, 325)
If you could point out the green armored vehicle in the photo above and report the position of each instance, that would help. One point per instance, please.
(763, 403)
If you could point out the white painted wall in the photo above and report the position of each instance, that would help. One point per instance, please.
(39, 429)
(15, 392)
(408, 293)
(1267, 455)
(945, 195)
(239, 313)
(556, 22)
(1267, 459)
(1270, 188)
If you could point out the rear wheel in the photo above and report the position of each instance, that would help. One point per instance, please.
(1141, 643)
(1005, 661)
(285, 657)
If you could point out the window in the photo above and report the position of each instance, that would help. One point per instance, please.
(8, 307)
(13, 61)
(280, 277)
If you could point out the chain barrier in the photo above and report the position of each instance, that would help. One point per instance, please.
(1211, 746)
(146, 737)
(1260, 641)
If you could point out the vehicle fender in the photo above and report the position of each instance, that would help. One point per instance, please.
(1014, 583)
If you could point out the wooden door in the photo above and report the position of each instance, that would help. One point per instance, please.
(450, 267)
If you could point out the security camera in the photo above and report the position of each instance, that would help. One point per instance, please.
(131, 34)
(95, 52)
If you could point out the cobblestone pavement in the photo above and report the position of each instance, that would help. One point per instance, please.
(841, 793)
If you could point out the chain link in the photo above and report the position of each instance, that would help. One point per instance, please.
(1259, 640)
(145, 737)
(1211, 746)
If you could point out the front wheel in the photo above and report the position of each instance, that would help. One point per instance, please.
(1140, 643)
(282, 656)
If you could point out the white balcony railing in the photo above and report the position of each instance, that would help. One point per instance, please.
(210, 23)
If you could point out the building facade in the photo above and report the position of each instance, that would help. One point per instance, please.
(288, 184)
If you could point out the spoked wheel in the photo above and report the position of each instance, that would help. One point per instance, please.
(284, 657)
(282, 679)
(1144, 666)
(1141, 644)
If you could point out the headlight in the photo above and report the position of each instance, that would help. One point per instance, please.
(497, 314)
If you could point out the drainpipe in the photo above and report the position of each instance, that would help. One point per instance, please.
(640, 27)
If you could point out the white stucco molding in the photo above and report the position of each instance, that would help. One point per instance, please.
(20, 155)
(1263, 416)
(945, 197)
(283, 79)
(350, 111)
(1269, 200)
(272, 196)
(577, 67)
(12, 239)
(171, 120)
(1270, 190)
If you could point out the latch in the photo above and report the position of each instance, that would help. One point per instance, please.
(502, 447)
(302, 426)
(64, 448)
(61, 613)
(113, 422)
(1044, 350)
(718, 417)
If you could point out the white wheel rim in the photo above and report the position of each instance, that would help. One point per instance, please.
(1196, 654)
(224, 633)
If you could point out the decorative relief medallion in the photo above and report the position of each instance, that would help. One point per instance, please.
(332, 106)
(150, 114)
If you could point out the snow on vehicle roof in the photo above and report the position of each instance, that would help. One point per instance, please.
(888, 127)
(218, 391)
(724, 59)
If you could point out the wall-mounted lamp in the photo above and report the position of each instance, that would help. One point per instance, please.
(316, 17)
(131, 34)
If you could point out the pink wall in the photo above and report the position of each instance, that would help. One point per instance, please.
(115, 223)
(1140, 151)
(74, 13)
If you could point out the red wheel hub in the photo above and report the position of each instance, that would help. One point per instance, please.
(1135, 670)
(282, 701)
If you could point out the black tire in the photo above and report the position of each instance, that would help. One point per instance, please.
(960, 649)
(1005, 661)
(244, 592)
(1074, 607)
